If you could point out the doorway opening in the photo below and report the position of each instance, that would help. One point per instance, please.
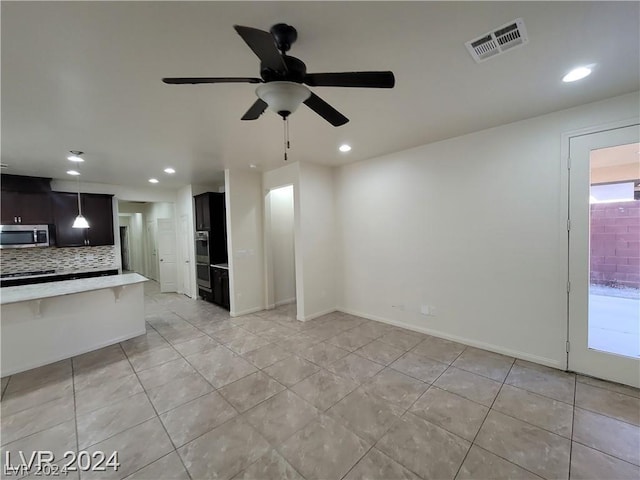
(124, 248)
(151, 240)
(280, 243)
(614, 267)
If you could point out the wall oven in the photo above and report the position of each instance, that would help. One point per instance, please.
(203, 273)
(202, 247)
(24, 236)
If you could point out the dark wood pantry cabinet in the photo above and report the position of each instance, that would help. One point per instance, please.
(211, 248)
(96, 208)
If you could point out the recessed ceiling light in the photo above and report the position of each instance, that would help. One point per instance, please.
(73, 172)
(169, 170)
(577, 74)
(75, 156)
(253, 166)
(153, 180)
(344, 148)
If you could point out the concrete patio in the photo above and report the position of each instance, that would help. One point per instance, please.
(614, 320)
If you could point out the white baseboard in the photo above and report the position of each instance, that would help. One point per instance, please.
(246, 312)
(285, 302)
(317, 314)
(466, 341)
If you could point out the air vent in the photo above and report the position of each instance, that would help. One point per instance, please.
(506, 37)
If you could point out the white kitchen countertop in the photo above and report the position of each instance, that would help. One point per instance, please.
(23, 293)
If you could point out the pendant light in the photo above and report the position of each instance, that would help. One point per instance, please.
(80, 221)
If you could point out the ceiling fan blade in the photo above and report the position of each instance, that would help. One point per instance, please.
(325, 110)
(256, 110)
(351, 79)
(194, 80)
(264, 46)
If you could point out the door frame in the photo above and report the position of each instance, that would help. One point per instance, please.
(565, 200)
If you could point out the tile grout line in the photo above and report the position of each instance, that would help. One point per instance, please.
(411, 406)
(604, 388)
(489, 411)
(238, 413)
(75, 407)
(157, 416)
(473, 442)
(573, 420)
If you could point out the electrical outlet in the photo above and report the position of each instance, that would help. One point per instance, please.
(425, 310)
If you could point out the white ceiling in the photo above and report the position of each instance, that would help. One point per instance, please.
(86, 76)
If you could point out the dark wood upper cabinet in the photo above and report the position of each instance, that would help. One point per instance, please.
(26, 200)
(30, 201)
(27, 208)
(202, 212)
(96, 208)
(65, 210)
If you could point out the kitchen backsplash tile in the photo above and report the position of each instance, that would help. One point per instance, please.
(21, 260)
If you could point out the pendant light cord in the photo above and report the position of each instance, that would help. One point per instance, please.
(79, 203)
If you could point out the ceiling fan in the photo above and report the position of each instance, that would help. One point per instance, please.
(283, 76)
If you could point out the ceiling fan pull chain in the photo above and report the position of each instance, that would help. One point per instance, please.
(284, 131)
(287, 145)
(287, 132)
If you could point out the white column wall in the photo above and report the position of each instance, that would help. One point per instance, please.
(245, 211)
(318, 240)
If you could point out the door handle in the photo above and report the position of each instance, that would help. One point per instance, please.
(162, 259)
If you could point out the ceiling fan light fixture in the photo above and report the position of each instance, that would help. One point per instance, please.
(283, 98)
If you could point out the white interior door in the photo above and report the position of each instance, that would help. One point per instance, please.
(152, 252)
(167, 255)
(186, 240)
(604, 306)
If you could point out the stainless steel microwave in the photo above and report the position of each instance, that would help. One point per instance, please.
(24, 236)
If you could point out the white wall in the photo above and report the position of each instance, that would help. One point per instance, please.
(474, 227)
(317, 244)
(244, 203)
(281, 232)
(186, 250)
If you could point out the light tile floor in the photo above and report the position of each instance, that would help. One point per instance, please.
(264, 396)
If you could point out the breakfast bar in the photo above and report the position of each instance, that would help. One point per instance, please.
(44, 323)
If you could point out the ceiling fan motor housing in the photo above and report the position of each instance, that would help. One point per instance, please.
(296, 70)
(284, 35)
